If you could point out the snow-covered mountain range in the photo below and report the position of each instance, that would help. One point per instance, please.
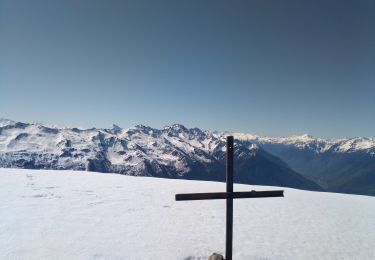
(341, 165)
(317, 145)
(178, 152)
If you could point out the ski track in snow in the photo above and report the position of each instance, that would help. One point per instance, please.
(80, 215)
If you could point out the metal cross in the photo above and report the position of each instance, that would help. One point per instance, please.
(229, 195)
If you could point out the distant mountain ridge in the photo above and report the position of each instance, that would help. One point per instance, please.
(172, 152)
(318, 145)
(340, 165)
(178, 152)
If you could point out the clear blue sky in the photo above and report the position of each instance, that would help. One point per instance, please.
(260, 66)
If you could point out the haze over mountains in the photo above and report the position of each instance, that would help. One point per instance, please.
(305, 162)
(339, 165)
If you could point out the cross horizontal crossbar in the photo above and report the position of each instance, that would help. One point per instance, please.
(228, 195)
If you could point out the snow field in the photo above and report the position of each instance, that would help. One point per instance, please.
(81, 215)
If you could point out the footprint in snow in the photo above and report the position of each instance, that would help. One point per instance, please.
(49, 188)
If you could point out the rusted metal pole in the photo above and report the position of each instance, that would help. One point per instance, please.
(229, 229)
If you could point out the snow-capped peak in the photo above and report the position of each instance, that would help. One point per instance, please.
(178, 128)
(5, 122)
(115, 129)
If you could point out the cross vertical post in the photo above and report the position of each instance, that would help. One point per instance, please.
(229, 195)
(229, 177)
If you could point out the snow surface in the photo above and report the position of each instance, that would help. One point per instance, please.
(78, 215)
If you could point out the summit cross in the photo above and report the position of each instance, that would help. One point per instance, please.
(229, 195)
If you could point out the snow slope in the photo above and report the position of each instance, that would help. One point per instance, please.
(48, 214)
